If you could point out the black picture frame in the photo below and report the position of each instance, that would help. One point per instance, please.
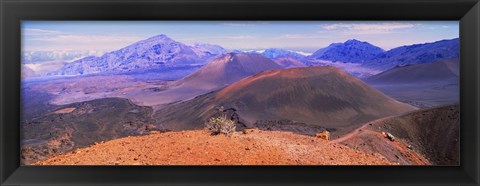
(12, 12)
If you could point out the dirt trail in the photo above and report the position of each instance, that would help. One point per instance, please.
(358, 130)
(369, 139)
(349, 135)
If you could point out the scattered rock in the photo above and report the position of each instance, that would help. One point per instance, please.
(323, 135)
(389, 136)
(154, 132)
(247, 131)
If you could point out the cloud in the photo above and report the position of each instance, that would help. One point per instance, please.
(301, 36)
(70, 38)
(294, 36)
(367, 28)
(41, 39)
(237, 37)
(39, 32)
(216, 38)
(302, 53)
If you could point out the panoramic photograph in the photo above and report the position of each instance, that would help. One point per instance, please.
(156, 93)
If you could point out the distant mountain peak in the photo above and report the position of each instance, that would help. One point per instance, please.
(351, 51)
(206, 49)
(230, 58)
(447, 49)
(357, 42)
(160, 36)
(152, 53)
(274, 49)
(224, 58)
(354, 41)
(275, 53)
(228, 68)
(235, 57)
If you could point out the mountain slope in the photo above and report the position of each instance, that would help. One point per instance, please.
(315, 97)
(418, 73)
(228, 69)
(434, 133)
(275, 53)
(208, 51)
(351, 51)
(151, 53)
(82, 124)
(418, 54)
(216, 74)
(289, 62)
(27, 72)
(423, 85)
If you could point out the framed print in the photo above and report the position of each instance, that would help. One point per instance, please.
(239, 92)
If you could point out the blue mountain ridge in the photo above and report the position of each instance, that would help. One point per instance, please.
(351, 51)
(160, 51)
(153, 52)
(418, 54)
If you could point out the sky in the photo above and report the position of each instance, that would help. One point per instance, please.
(306, 36)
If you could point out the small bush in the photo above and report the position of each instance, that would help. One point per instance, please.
(220, 125)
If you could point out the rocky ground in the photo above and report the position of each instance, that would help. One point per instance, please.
(423, 137)
(198, 147)
(82, 124)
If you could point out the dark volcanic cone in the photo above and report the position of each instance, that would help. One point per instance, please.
(312, 96)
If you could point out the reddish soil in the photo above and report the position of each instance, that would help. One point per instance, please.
(424, 137)
(200, 148)
(370, 141)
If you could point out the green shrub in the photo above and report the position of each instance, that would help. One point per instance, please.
(221, 125)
